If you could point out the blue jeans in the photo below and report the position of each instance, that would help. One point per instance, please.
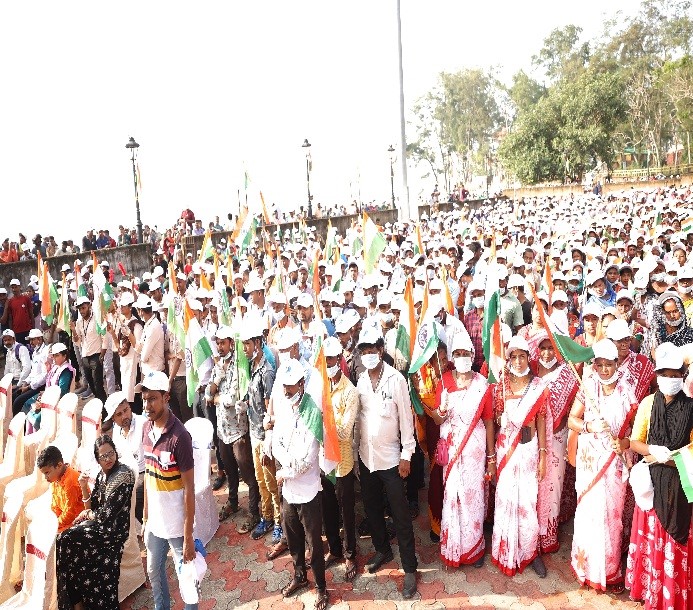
(157, 551)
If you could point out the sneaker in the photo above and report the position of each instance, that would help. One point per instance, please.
(276, 533)
(261, 529)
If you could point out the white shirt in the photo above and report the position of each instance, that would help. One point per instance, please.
(18, 367)
(134, 438)
(297, 450)
(37, 376)
(386, 421)
(89, 340)
(151, 347)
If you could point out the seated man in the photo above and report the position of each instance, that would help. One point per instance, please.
(66, 495)
(17, 359)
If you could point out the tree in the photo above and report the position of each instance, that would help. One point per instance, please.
(525, 92)
(563, 56)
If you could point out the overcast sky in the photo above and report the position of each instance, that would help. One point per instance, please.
(211, 88)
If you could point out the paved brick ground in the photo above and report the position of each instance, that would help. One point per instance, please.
(242, 579)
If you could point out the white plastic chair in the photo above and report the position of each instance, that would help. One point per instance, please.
(5, 408)
(40, 544)
(36, 442)
(10, 548)
(132, 575)
(91, 418)
(36, 510)
(206, 516)
(12, 466)
(66, 414)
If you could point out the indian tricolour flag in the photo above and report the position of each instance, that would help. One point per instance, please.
(683, 458)
(103, 297)
(492, 341)
(198, 352)
(418, 246)
(48, 295)
(64, 310)
(207, 248)
(373, 243)
(687, 225)
(247, 233)
(406, 330)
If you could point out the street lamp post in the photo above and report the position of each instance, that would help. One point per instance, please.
(391, 150)
(306, 144)
(133, 146)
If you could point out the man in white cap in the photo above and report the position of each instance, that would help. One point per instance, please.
(310, 328)
(387, 443)
(177, 378)
(338, 498)
(346, 328)
(92, 347)
(295, 446)
(151, 345)
(280, 316)
(521, 454)
(126, 334)
(36, 380)
(18, 313)
(169, 499)
(17, 359)
(128, 429)
(511, 310)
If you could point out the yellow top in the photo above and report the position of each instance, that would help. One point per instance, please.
(641, 424)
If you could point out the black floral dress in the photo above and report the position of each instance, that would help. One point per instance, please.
(88, 554)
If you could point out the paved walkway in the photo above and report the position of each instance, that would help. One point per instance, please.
(242, 579)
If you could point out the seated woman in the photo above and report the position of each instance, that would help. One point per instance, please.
(60, 373)
(661, 545)
(88, 554)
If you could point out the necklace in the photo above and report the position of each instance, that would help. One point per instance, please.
(380, 376)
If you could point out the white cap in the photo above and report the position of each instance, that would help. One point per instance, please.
(224, 332)
(605, 349)
(304, 300)
(56, 348)
(154, 285)
(113, 402)
(195, 305)
(384, 297)
(8, 332)
(370, 334)
(81, 301)
(143, 302)
(624, 294)
(517, 343)
(288, 337)
(291, 372)
(462, 341)
(14, 282)
(127, 298)
(277, 297)
(617, 330)
(668, 356)
(516, 281)
(592, 277)
(559, 296)
(66, 268)
(155, 380)
(251, 329)
(157, 271)
(3, 290)
(346, 321)
(332, 347)
(592, 309)
(35, 333)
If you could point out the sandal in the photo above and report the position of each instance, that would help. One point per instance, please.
(321, 599)
(227, 510)
(351, 569)
(296, 584)
(331, 559)
(618, 588)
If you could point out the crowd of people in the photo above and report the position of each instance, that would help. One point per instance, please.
(540, 437)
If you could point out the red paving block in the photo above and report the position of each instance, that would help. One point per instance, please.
(233, 579)
(390, 605)
(429, 590)
(251, 590)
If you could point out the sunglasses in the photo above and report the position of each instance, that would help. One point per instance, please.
(107, 456)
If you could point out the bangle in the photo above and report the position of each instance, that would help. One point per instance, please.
(493, 461)
(489, 456)
(85, 500)
(542, 449)
(584, 427)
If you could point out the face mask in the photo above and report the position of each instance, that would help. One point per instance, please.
(669, 386)
(336, 312)
(675, 322)
(369, 299)
(279, 315)
(255, 353)
(284, 357)
(332, 371)
(659, 277)
(613, 259)
(463, 364)
(685, 289)
(548, 364)
(478, 302)
(387, 318)
(517, 373)
(295, 399)
(591, 241)
(573, 287)
(610, 380)
(370, 361)
(438, 319)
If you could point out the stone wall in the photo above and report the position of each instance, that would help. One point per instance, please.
(342, 223)
(136, 260)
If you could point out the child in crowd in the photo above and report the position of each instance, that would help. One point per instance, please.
(66, 500)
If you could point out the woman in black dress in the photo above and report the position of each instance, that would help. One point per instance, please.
(89, 553)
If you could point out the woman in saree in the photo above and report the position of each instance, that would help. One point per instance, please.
(465, 455)
(661, 544)
(602, 414)
(562, 385)
(88, 553)
(520, 411)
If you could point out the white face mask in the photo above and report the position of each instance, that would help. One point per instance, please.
(369, 299)
(478, 302)
(284, 356)
(336, 312)
(279, 315)
(370, 361)
(548, 364)
(610, 380)
(670, 386)
(332, 371)
(387, 318)
(517, 373)
(685, 289)
(295, 399)
(463, 364)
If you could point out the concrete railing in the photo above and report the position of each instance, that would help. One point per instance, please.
(136, 260)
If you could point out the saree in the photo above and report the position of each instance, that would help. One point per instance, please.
(601, 488)
(515, 540)
(464, 503)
